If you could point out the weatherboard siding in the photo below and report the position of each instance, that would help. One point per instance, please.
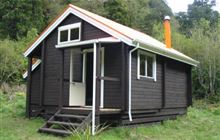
(146, 93)
(150, 116)
(176, 84)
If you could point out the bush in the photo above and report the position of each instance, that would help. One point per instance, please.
(13, 64)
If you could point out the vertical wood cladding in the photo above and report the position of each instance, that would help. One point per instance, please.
(52, 61)
(35, 86)
(146, 93)
(112, 89)
(176, 84)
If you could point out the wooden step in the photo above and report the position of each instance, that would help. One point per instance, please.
(78, 111)
(64, 123)
(81, 117)
(55, 131)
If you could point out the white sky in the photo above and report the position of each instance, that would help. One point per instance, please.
(182, 5)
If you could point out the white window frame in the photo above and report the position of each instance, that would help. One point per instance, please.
(140, 52)
(68, 28)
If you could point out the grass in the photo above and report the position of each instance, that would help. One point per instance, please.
(202, 122)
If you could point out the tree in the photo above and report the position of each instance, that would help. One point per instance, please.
(16, 17)
(141, 15)
(117, 10)
(203, 45)
(200, 9)
(12, 61)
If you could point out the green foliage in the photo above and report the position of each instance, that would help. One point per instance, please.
(203, 45)
(203, 9)
(13, 123)
(12, 61)
(95, 6)
(200, 40)
(81, 135)
(157, 10)
(207, 44)
(142, 15)
(51, 9)
(200, 9)
(16, 17)
(117, 10)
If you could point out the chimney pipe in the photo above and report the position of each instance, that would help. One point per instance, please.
(167, 31)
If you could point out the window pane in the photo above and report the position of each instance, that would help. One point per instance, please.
(150, 66)
(63, 36)
(77, 65)
(74, 34)
(142, 65)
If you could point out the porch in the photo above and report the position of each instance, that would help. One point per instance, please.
(96, 94)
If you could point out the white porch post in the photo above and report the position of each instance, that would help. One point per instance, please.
(94, 89)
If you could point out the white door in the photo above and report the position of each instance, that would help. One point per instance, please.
(77, 95)
(77, 85)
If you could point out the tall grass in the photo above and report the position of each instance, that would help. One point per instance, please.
(86, 134)
(202, 122)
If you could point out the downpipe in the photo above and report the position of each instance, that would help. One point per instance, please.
(129, 87)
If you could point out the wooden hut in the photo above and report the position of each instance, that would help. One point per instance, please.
(92, 70)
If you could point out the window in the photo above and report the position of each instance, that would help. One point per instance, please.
(74, 34)
(146, 65)
(150, 66)
(142, 65)
(63, 35)
(77, 65)
(69, 33)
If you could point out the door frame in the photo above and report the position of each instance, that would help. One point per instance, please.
(84, 52)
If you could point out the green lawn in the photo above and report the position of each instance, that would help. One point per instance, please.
(201, 123)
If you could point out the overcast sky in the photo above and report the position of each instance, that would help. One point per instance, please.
(181, 5)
